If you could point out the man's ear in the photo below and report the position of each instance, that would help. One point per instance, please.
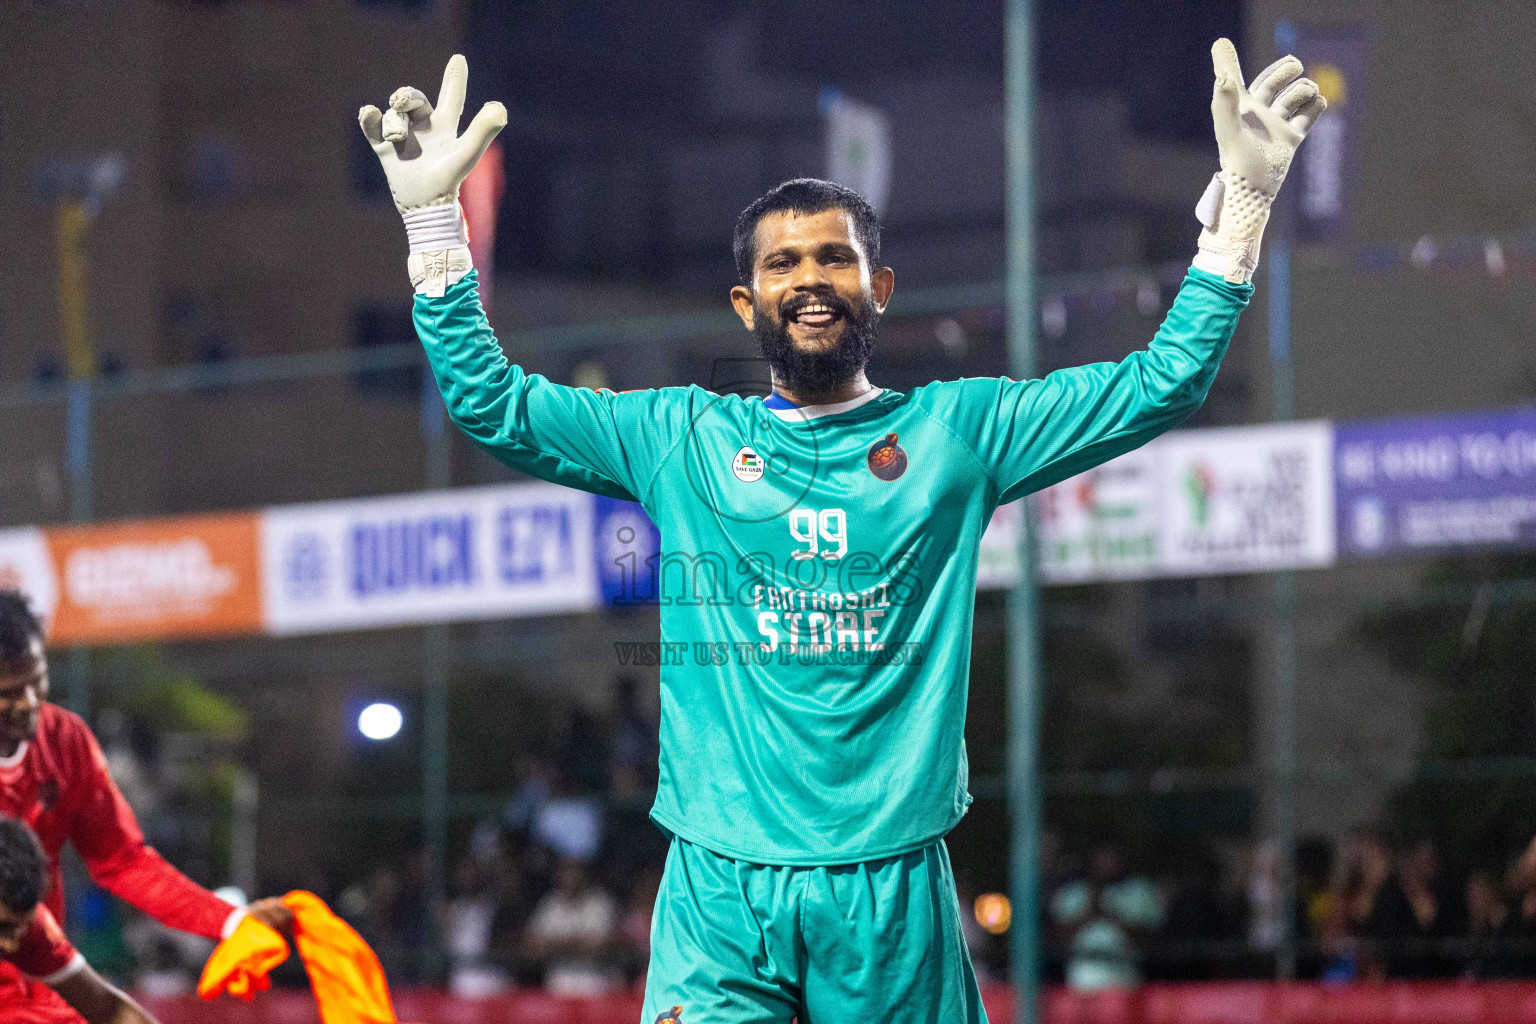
(882, 282)
(741, 300)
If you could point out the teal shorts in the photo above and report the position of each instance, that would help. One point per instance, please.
(740, 943)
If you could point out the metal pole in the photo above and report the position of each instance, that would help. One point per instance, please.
(1024, 670)
(1283, 386)
(243, 831)
(434, 730)
(434, 702)
(80, 356)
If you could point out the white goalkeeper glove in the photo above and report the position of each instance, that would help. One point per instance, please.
(1258, 129)
(426, 160)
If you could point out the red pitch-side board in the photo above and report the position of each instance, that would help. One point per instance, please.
(1214, 1003)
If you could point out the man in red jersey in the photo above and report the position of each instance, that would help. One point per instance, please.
(65, 989)
(54, 778)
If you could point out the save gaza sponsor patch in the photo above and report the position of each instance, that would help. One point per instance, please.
(748, 466)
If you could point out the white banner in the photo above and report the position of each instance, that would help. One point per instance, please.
(858, 147)
(1246, 499)
(997, 566)
(1195, 503)
(1102, 524)
(476, 553)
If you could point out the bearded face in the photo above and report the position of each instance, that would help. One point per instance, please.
(816, 342)
(814, 303)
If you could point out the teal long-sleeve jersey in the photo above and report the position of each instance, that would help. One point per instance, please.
(817, 571)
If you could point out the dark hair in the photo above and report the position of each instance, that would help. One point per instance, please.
(804, 195)
(18, 627)
(23, 866)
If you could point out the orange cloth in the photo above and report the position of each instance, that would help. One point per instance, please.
(348, 982)
(240, 964)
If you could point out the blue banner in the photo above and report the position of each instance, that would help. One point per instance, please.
(1436, 482)
(1323, 177)
(625, 546)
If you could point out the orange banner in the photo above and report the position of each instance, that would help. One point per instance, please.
(156, 579)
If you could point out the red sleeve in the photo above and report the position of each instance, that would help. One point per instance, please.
(45, 953)
(106, 834)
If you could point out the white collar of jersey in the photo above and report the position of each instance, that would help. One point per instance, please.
(801, 413)
(15, 759)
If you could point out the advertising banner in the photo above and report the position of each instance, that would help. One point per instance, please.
(1194, 503)
(1436, 482)
(625, 547)
(154, 579)
(1246, 499)
(997, 565)
(1335, 58)
(26, 565)
(476, 553)
(1102, 524)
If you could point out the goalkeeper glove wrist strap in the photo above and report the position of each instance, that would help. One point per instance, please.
(432, 228)
(439, 240)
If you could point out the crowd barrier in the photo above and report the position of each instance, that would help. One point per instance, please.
(1208, 1003)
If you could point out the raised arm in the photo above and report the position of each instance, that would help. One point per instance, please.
(1030, 434)
(593, 440)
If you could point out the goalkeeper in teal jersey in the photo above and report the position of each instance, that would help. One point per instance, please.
(818, 561)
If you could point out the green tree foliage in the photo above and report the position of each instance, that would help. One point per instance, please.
(1471, 634)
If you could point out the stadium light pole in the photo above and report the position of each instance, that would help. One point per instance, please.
(1024, 669)
(79, 188)
(435, 655)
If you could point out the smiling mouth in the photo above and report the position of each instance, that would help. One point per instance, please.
(815, 317)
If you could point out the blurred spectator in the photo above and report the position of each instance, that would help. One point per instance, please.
(467, 922)
(572, 934)
(581, 757)
(536, 782)
(392, 913)
(1199, 924)
(1265, 903)
(631, 841)
(635, 926)
(634, 734)
(1410, 916)
(1338, 950)
(1519, 959)
(1364, 868)
(1316, 902)
(96, 920)
(371, 910)
(514, 906)
(1487, 916)
(570, 822)
(1104, 920)
(413, 923)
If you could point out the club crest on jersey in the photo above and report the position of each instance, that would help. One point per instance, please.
(887, 459)
(748, 466)
(671, 1016)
